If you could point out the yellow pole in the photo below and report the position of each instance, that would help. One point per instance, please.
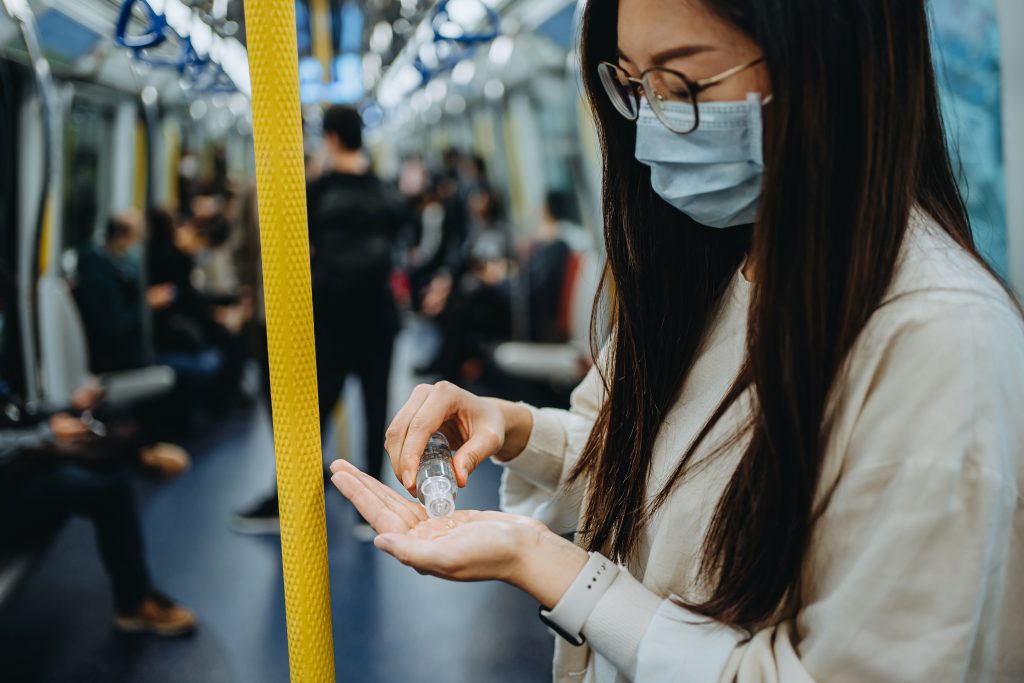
(281, 189)
(320, 32)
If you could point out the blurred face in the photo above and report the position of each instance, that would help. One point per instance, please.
(124, 242)
(686, 36)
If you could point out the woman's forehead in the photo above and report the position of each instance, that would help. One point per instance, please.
(646, 28)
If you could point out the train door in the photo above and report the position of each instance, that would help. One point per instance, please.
(14, 79)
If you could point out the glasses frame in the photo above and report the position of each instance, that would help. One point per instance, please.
(642, 85)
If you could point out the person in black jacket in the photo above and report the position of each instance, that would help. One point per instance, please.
(107, 293)
(354, 223)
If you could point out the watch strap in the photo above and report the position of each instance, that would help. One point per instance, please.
(570, 614)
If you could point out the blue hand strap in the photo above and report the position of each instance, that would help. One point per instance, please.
(487, 34)
(155, 33)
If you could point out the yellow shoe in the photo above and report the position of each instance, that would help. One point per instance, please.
(165, 459)
(158, 616)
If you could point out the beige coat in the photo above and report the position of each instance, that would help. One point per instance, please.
(916, 567)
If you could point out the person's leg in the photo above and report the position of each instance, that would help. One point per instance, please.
(44, 499)
(334, 361)
(374, 371)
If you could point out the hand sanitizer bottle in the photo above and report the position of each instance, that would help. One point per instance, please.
(435, 480)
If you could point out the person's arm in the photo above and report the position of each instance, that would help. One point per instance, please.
(533, 483)
(16, 440)
(915, 564)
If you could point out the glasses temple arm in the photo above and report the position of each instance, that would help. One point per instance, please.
(715, 80)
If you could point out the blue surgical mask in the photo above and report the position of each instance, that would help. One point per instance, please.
(713, 174)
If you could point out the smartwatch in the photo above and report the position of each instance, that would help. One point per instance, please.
(566, 619)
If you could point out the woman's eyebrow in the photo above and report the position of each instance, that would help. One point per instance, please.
(671, 53)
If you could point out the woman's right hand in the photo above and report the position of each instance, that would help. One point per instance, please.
(476, 428)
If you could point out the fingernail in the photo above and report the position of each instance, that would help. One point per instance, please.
(407, 480)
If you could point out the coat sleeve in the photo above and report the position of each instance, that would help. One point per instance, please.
(533, 482)
(16, 440)
(916, 565)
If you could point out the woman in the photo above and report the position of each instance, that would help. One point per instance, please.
(803, 450)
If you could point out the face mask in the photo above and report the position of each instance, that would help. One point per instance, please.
(713, 174)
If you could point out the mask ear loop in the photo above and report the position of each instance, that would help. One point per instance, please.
(756, 127)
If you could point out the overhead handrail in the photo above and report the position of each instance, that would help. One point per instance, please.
(441, 19)
(458, 46)
(189, 63)
(155, 34)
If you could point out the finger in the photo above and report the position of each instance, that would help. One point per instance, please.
(431, 415)
(394, 437)
(382, 518)
(422, 555)
(480, 446)
(409, 510)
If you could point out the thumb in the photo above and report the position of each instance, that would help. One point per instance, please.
(478, 448)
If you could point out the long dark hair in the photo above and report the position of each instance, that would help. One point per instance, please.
(853, 142)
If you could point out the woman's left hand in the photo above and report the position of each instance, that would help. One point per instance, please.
(469, 545)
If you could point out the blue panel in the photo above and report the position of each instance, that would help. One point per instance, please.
(560, 27)
(348, 87)
(967, 63)
(64, 37)
(305, 39)
(350, 38)
(310, 70)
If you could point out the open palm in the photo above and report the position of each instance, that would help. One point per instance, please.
(468, 545)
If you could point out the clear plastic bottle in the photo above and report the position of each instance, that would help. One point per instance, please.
(435, 479)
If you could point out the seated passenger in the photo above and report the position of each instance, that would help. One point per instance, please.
(107, 294)
(479, 310)
(181, 331)
(52, 466)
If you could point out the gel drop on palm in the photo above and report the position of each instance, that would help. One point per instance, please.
(435, 480)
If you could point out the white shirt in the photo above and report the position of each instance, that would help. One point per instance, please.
(916, 566)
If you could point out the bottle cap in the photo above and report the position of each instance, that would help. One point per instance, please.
(438, 497)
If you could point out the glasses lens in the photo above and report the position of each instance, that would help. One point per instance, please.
(620, 90)
(671, 100)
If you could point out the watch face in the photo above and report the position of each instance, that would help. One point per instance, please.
(576, 639)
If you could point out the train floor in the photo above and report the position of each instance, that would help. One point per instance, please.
(390, 624)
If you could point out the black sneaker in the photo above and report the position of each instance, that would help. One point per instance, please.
(262, 518)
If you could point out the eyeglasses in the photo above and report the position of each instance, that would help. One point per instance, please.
(660, 86)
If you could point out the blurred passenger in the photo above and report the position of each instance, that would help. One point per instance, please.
(354, 221)
(199, 334)
(413, 178)
(472, 171)
(478, 311)
(179, 330)
(52, 466)
(108, 292)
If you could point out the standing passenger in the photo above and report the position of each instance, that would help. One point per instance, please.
(354, 221)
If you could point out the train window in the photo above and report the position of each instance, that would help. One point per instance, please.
(87, 140)
(968, 69)
(556, 119)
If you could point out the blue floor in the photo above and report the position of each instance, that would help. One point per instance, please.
(390, 624)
